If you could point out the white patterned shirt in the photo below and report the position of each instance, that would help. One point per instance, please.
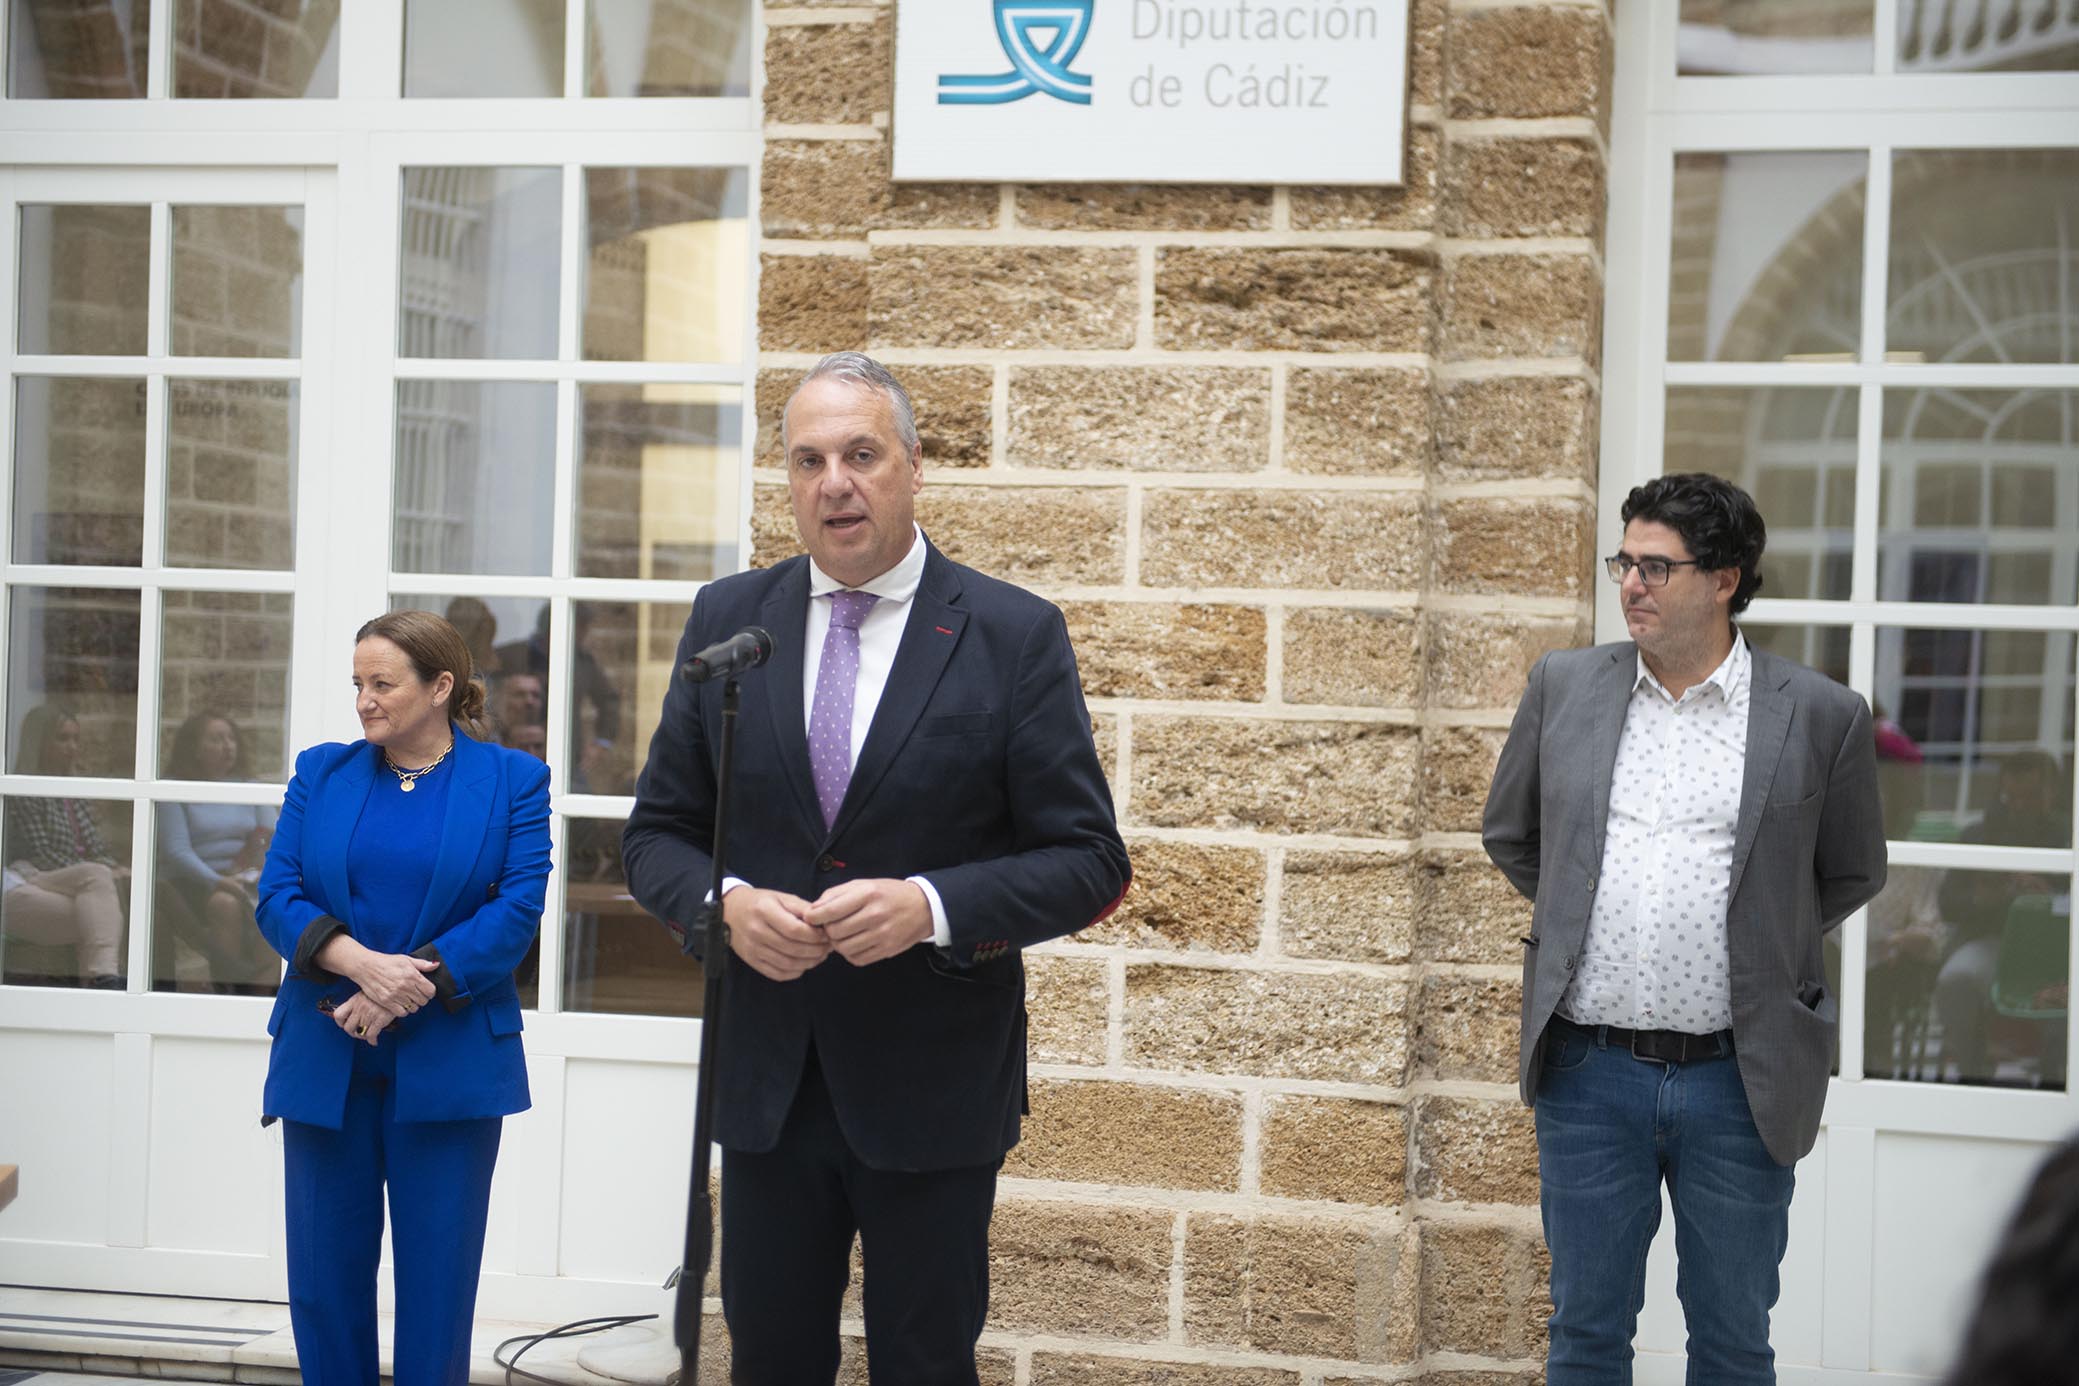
(1655, 956)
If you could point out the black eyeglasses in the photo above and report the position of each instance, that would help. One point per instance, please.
(1653, 570)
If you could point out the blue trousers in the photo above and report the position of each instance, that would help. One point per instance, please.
(438, 1175)
(1610, 1129)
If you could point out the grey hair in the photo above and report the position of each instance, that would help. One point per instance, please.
(857, 368)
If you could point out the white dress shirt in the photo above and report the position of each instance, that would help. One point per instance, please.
(880, 633)
(1655, 956)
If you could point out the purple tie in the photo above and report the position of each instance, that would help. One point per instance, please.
(830, 716)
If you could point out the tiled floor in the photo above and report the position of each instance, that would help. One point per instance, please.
(69, 1338)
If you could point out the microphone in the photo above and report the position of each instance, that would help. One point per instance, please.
(747, 649)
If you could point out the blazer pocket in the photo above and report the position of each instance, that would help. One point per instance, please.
(956, 724)
(1796, 805)
(504, 1017)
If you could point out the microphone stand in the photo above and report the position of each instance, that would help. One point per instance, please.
(700, 1231)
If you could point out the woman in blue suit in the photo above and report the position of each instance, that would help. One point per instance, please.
(403, 886)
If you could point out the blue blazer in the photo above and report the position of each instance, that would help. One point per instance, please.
(978, 773)
(461, 1058)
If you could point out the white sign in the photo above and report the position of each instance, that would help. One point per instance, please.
(1150, 91)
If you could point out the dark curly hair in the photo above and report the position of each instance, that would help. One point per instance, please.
(2024, 1332)
(1716, 519)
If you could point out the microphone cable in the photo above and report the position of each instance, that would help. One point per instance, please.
(576, 1329)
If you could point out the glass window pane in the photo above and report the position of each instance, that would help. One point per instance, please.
(476, 466)
(237, 281)
(1975, 735)
(479, 263)
(623, 665)
(2012, 36)
(61, 48)
(223, 699)
(79, 470)
(1982, 255)
(72, 681)
(1979, 499)
(84, 276)
(483, 48)
(616, 957)
(669, 249)
(283, 49)
(509, 645)
(1969, 977)
(231, 473)
(1766, 257)
(206, 861)
(1793, 449)
(658, 481)
(65, 899)
(1824, 648)
(1750, 37)
(668, 48)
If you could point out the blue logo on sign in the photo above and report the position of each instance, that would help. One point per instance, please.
(1041, 38)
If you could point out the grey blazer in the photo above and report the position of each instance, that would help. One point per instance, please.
(1807, 850)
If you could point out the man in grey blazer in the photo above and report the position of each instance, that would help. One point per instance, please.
(1690, 815)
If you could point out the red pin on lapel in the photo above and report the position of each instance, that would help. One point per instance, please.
(942, 630)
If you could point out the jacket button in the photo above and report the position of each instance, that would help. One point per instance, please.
(826, 862)
(1570, 963)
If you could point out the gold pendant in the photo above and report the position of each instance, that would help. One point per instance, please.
(407, 786)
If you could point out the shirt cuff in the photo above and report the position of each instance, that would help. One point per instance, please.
(941, 932)
(304, 961)
(729, 883)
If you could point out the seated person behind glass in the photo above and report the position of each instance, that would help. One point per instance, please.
(62, 885)
(211, 856)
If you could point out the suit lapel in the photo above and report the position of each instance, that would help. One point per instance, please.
(461, 831)
(345, 795)
(1612, 701)
(785, 617)
(1769, 710)
(928, 640)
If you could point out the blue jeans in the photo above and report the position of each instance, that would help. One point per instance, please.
(1610, 1128)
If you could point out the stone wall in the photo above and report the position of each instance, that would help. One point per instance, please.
(1311, 471)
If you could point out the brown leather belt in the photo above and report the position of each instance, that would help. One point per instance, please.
(1658, 1046)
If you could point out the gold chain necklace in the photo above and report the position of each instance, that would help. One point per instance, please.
(407, 778)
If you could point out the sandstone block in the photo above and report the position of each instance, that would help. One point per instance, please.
(1334, 1148)
(1075, 1369)
(1309, 1287)
(1298, 777)
(1130, 1133)
(1520, 305)
(1482, 660)
(951, 404)
(1188, 896)
(1353, 906)
(1326, 299)
(774, 535)
(840, 189)
(1003, 297)
(1428, 23)
(1144, 207)
(1353, 658)
(1524, 187)
(994, 1366)
(1527, 61)
(1446, 1378)
(1067, 1005)
(1484, 1289)
(811, 303)
(1080, 1269)
(1168, 650)
(1457, 768)
(1357, 422)
(1410, 207)
(1147, 418)
(828, 74)
(1470, 913)
(1469, 1151)
(1271, 1025)
(1467, 1027)
(1227, 538)
(1501, 428)
(1030, 535)
(1104, 730)
(1538, 547)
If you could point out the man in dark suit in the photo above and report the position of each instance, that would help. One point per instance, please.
(917, 799)
(1691, 816)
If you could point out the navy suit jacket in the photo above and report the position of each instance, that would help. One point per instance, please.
(455, 1060)
(977, 773)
